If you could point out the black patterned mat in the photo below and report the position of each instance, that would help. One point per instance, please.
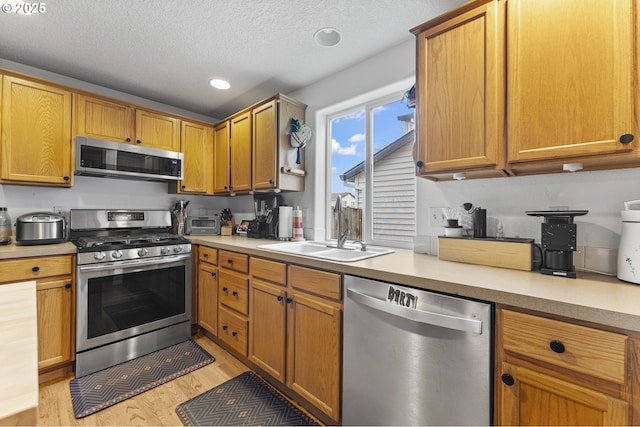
(107, 387)
(246, 400)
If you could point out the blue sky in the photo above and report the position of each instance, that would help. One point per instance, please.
(348, 143)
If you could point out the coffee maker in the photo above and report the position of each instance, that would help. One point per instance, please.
(265, 224)
(558, 241)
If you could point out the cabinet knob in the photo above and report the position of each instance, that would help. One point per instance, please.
(419, 163)
(557, 346)
(234, 293)
(225, 289)
(229, 261)
(225, 327)
(271, 181)
(138, 141)
(508, 379)
(67, 286)
(213, 274)
(626, 138)
(184, 186)
(66, 178)
(234, 333)
(128, 139)
(289, 300)
(280, 297)
(226, 188)
(206, 255)
(35, 269)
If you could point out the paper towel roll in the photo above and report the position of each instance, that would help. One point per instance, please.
(285, 222)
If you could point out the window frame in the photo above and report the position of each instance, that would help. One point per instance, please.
(368, 104)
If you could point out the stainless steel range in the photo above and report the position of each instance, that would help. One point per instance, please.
(133, 292)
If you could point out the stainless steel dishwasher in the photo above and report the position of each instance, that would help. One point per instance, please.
(413, 357)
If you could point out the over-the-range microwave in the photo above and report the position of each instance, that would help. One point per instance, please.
(97, 157)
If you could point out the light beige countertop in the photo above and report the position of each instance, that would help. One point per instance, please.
(591, 297)
(17, 251)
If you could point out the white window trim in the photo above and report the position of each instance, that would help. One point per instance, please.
(322, 196)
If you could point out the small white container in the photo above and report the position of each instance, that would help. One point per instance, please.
(453, 231)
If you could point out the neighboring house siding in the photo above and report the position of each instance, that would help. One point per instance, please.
(394, 196)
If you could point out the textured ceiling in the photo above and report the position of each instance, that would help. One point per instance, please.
(168, 50)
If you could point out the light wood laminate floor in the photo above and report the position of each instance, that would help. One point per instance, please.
(154, 407)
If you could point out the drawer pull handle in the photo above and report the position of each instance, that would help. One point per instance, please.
(235, 293)
(229, 261)
(224, 327)
(557, 346)
(35, 269)
(225, 290)
(280, 297)
(206, 255)
(67, 286)
(508, 379)
(234, 333)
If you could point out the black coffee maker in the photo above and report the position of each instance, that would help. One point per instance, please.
(558, 241)
(265, 226)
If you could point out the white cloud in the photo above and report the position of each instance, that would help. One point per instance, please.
(358, 137)
(334, 169)
(356, 115)
(345, 151)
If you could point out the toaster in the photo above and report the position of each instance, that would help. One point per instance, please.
(203, 225)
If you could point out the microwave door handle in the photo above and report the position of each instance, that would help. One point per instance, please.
(135, 263)
(427, 317)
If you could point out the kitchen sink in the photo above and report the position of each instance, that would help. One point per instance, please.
(327, 250)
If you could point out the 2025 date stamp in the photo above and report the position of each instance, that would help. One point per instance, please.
(23, 8)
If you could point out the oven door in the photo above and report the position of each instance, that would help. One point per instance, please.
(122, 299)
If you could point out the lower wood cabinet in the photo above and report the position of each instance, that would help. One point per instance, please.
(296, 336)
(54, 303)
(553, 372)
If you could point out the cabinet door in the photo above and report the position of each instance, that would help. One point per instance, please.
(157, 130)
(268, 331)
(54, 305)
(460, 92)
(570, 78)
(265, 148)
(314, 351)
(222, 137)
(241, 153)
(36, 133)
(532, 398)
(208, 297)
(197, 146)
(98, 118)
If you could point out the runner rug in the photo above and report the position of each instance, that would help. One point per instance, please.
(246, 400)
(94, 392)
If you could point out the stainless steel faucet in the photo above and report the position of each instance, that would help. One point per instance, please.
(337, 211)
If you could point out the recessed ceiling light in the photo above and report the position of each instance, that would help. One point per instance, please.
(327, 37)
(219, 84)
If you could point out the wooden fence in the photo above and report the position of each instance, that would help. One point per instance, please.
(354, 218)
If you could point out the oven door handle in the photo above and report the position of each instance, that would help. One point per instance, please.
(135, 262)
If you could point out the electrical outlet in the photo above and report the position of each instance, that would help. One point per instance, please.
(437, 218)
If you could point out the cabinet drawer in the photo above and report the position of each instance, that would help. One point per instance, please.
(233, 329)
(582, 349)
(233, 291)
(34, 268)
(316, 281)
(234, 261)
(209, 255)
(272, 271)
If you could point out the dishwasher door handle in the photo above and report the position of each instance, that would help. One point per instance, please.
(427, 317)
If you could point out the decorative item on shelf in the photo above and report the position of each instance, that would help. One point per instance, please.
(300, 135)
(409, 97)
(453, 229)
(228, 224)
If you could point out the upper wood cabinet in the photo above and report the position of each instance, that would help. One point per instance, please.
(157, 130)
(253, 152)
(197, 145)
(271, 146)
(106, 119)
(36, 145)
(460, 92)
(524, 86)
(221, 153)
(240, 152)
(571, 80)
(102, 119)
